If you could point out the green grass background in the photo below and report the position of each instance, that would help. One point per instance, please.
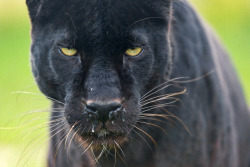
(230, 18)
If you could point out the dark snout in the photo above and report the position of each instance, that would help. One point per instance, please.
(102, 112)
(103, 98)
(103, 94)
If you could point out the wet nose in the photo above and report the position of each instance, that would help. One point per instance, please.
(103, 112)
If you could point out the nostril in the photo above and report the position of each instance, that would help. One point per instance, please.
(117, 114)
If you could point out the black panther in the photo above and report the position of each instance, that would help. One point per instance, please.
(136, 83)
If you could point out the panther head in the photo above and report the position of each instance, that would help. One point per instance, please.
(98, 59)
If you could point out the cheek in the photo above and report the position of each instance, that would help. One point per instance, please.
(142, 69)
(74, 110)
(133, 107)
(63, 67)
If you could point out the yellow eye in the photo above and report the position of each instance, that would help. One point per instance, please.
(68, 51)
(134, 51)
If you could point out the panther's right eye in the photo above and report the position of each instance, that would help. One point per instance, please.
(68, 51)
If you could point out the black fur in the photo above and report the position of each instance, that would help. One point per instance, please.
(176, 43)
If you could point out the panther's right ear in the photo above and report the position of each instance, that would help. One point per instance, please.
(34, 7)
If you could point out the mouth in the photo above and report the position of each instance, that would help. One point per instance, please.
(104, 137)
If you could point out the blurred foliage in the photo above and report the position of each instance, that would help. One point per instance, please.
(230, 18)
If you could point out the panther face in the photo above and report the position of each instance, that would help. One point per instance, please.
(98, 58)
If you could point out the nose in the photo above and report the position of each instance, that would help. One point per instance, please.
(103, 112)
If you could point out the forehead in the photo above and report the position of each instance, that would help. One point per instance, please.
(98, 19)
(109, 13)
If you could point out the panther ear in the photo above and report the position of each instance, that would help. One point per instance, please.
(33, 7)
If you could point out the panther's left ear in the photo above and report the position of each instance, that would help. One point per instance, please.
(33, 7)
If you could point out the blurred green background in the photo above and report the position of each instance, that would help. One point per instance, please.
(230, 18)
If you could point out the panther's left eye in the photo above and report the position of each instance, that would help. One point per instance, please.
(68, 51)
(134, 51)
